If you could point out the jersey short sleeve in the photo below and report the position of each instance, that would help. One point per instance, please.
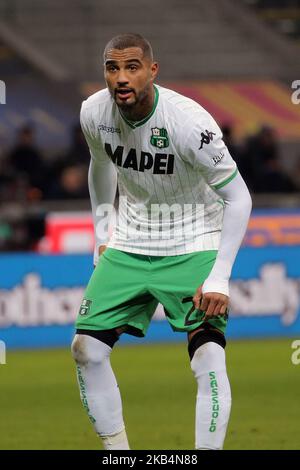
(207, 152)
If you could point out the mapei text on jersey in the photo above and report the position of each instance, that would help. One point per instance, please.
(159, 163)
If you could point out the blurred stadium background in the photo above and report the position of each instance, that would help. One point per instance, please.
(239, 59)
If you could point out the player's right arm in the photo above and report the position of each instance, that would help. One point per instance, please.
(102, 181)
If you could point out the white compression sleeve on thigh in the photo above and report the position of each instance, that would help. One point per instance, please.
(213, 397)
(99, 390)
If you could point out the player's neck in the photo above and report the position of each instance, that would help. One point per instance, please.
(142, 109)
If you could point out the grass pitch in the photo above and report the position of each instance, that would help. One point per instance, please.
(40, 406)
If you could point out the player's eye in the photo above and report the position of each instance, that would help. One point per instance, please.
(111, 68)
(132, 67)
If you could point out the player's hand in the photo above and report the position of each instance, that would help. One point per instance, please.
(101, 249)
(213, 303)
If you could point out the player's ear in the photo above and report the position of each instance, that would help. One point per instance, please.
(154, 70)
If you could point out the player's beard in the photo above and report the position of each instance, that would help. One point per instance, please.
(134, 109)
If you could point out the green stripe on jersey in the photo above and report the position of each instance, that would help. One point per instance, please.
(223, 183)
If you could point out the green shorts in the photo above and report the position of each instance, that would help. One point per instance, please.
(125, 289)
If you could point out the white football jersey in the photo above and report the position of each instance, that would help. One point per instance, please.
(168, 166)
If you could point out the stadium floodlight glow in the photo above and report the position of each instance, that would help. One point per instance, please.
(2, 352)
(2, 92)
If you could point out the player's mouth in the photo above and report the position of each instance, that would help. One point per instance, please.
(124, 93)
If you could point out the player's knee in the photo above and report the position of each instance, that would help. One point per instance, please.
(87, 350)
(78, 349)
(208, 357)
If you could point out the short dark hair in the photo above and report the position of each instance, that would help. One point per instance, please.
(123, 41)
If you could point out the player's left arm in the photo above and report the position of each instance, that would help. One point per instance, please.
(211, 158)
(215, 290)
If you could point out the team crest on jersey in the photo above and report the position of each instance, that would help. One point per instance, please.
(159, 138)
(85, 307)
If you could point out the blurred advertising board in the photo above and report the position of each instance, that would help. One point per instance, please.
(40, 296)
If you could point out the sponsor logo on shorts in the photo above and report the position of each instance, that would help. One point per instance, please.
(85, 307)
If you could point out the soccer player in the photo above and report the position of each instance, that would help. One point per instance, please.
(183, 212)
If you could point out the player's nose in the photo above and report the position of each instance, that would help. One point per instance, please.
(122, 80)
(122, 83)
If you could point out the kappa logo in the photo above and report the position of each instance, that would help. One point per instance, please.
(111, 130)
(85, 307)
(159, 138)
(206, 138)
